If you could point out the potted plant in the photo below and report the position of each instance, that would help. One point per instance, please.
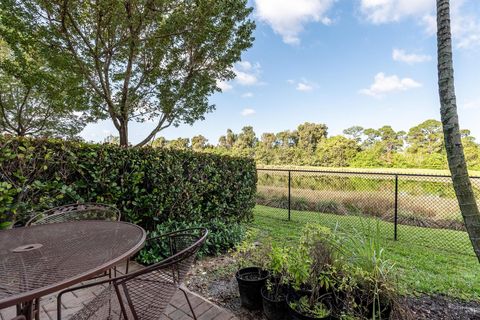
(309, 271)
(275, 290)
(363, 286)
(252, 274)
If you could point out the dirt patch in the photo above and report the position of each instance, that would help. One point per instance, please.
(214, 279)
(442, 308)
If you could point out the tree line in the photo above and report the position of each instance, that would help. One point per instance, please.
(422, 146)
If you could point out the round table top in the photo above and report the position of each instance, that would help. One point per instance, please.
(41, 259)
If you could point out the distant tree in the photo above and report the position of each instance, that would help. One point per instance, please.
(451, 129)
(230, 139)
(222, 142)
(268, 140)
(199, 143)
(371, 137)
(372, 157)
(247, 139)
(310, 135)
(112, 139)
(146, 60)
(393, 140)
(178, 144)
(354, 133)
(38, 97)
(426, 137)
(336, 151)
(287, 139)
(159, 142)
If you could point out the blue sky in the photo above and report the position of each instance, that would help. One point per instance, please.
(342, 63)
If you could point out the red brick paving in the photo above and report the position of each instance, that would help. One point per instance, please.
(177, 310)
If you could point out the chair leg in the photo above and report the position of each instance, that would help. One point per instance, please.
(189, 304)
(37, 309)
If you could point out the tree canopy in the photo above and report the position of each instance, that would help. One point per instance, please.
(144, 59)
(38, 95)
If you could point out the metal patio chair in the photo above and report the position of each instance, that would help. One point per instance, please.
(76, 211)
(144, 294)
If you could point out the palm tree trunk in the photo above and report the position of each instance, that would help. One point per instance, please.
(451, 129)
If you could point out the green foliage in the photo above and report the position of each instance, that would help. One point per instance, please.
(145, 60)
(363, 251)
(253, 250)
(347, 268)
(426, 137)
(149, 186)
(222, 237)
(38, 95)
(336, 151)
(317, 311)
(425, 263)
(309, 145)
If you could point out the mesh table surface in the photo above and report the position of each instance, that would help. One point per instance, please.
(42, 259)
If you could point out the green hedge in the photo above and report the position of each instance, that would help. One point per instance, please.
(149, 186)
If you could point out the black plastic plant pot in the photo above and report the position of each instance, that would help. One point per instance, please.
(295, 315)
(272, 308)
(250, 283)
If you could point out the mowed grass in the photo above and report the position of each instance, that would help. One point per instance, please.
(427, 261)
(369, 170)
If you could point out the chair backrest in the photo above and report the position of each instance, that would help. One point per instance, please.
(76, 212)
(147, 292)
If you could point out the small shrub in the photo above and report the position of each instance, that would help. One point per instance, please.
(222, 237)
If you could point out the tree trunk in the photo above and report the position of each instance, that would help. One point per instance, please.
(123, 132)
(451, 130)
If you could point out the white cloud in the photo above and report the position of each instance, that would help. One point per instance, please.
(245, 79)
(247, 112)
(245, 65)
(224, 85)
(383, 11)
(464, 22)
(410, 58)
(301, 86)
(387, 84)
(247, 95)
(287, 18)
(429, 22)
(246, 73)
(465, 28)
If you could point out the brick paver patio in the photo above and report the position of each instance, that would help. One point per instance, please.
(177, 309)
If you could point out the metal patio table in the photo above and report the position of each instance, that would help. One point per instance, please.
(39, 260)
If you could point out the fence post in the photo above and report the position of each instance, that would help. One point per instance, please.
(289, 192)
(395, 234)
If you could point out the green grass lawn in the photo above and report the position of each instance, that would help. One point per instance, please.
(374, 170)
(430, 261)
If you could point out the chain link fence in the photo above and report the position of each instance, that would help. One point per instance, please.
(420, 209)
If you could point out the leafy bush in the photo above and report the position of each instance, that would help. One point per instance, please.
(222, 236)
(149, 186)
(349, 268)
